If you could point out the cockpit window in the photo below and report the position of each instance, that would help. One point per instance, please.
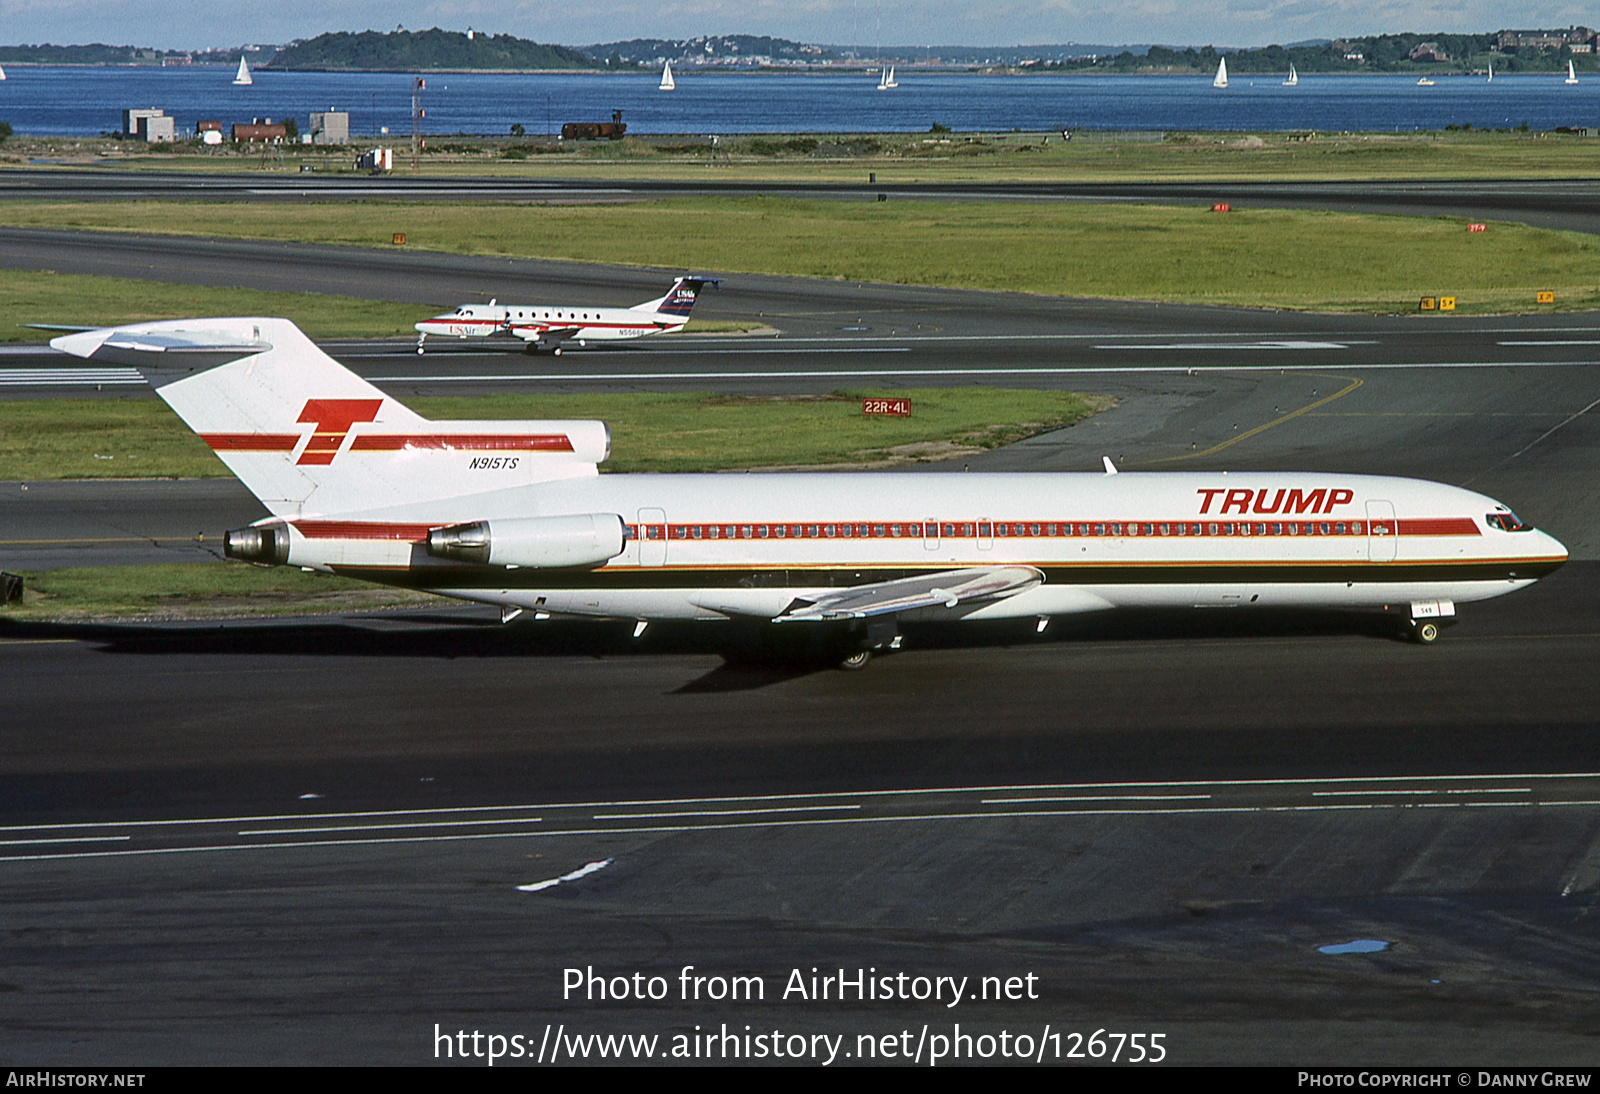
(1507, 522)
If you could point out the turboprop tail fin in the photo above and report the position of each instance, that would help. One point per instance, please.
(309, 437)
(679, 301)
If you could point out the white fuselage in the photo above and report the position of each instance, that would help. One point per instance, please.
(713, 546)
(531, 322)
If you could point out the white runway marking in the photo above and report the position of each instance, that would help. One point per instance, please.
(892, 374)
(722, 812)
(1143, 799)
(580, 872)
(385, 827)
(1237, 345)
(68, 377)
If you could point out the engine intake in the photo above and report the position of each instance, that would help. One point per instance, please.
(267, 544)
(588, 539)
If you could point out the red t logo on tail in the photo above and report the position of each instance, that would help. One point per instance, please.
(333, 418)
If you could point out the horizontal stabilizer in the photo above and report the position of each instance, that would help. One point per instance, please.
(947, 590)
(309, 437)
(180, 346)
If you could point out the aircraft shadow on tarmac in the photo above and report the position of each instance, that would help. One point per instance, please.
(755, 656)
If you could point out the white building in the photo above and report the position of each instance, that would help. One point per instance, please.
(330, 127)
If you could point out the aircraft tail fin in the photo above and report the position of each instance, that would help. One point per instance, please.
(308, 436)
(679, 301)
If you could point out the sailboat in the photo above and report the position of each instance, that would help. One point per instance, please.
(1490, 80)
(887, 80)
(2, 73)
(243, 78)
(1572, 77)
(1222, 73)
(667, 82)
(1294, 78)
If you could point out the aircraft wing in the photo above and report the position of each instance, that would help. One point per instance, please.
(165, 346)
(545, 334)
(948, 590)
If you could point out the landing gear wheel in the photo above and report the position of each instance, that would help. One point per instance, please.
(556, 351)
(1424, 634)
(856, 661)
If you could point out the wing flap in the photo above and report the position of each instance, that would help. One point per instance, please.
(947, 590)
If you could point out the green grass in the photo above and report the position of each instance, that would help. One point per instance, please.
(1253, 258)
(698, 432)
(133, 437)
(28, 296)
(142, 438)
(188, 590)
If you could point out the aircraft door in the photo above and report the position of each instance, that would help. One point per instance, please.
(930, 534)
(1383, 532)
(652, 537)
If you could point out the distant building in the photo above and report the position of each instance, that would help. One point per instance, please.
(1512, 40)
(132, 118)
(158, 130)
(149, 125)
(1428, 53)
(260, 131)
(330, 127)
(593, 131)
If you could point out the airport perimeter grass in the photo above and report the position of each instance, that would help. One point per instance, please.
(178, 590)
(29, 296)
(1266, 258)
(900, 157)
(142, 438)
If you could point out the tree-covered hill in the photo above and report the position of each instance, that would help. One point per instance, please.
(420, 51)
(1508, 51)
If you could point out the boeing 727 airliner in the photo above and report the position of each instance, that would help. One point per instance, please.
(546, 326)
(516, 514)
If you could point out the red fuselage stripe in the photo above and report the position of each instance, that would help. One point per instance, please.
(463, 442)
(362, 529)
(251, 442)
(328, 443)
(969, 529)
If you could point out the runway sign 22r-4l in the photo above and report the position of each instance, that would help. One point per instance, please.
(899, 408)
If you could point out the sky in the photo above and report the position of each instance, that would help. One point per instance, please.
(220, 23)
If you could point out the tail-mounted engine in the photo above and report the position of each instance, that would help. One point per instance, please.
(268, 544)
(589, 539)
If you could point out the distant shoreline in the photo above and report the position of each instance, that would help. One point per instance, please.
(819, 70)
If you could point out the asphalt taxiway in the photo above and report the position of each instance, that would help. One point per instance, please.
(314, 840)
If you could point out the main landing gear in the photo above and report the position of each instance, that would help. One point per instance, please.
(855, 661)
(1424, 632)
(421, 338)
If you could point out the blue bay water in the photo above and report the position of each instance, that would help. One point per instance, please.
(87, 101)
